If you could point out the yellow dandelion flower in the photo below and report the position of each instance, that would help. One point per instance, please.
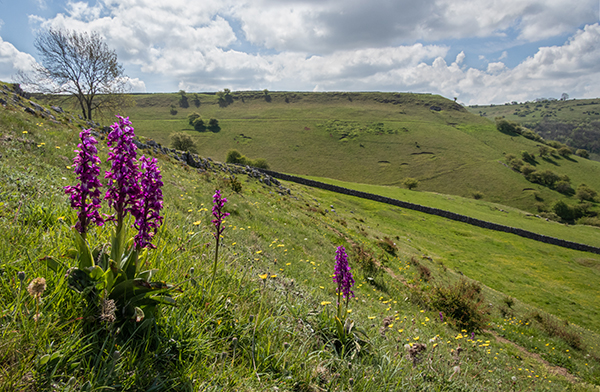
(371, 317)
(325, 303)
(263, 276)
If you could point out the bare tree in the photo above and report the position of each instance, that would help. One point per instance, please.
(79, 64)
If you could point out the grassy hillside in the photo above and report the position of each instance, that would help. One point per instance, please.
(574, 122)
(267, 323)
(371, 138)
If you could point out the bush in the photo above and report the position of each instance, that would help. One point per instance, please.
(544, 150)
(260, 163)
(527, 169)
(410, 183)
(196, 100)
(477, 195)
(583, 153)
(516, 164)
(507, 127)
(527, 157)
(213, 125)
(546, 177)
(564, 187)
(565, 151)
(192, 117)
(199, 125)
(569, 213)
(585, 193)
(173, 111)
(234, 156)
(183, 101)
(462, 304)
(183, 142)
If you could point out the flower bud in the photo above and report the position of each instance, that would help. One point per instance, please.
(21, 276)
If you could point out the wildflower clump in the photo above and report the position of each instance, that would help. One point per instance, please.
(112, 284)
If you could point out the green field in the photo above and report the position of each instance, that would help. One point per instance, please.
(254, 333)
(449, 151)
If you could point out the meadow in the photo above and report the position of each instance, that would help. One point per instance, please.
(369, 138)
(267, 324)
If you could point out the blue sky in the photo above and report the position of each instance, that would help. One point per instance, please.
(481, 52)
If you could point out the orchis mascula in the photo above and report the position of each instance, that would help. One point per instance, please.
(85, 196)
(343, 277)
(148, 207)
(219, 214)
(123, 188)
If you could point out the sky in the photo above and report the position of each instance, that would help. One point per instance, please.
(479, 51)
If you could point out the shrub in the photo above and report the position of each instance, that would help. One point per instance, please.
(234, 156)
(527, 157)
(546, 177)
(544, 150)
(516, 164)
(585, 193)
(192, 117)
(589, 221)
(410, 183)
(527, 169)
(260, 163)
(570, 213)
(173, 111)
(531, 135)
(565, 151)
(507, 127)
(564, 187)
(199, 125)
(183, 101)
(181, 141)
(582, 153)
(477, 195)
(462, 304)
(213, 125)
(196, 100)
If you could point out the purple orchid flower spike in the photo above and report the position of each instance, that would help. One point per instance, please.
(85, 196)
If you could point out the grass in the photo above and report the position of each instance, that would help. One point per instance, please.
(450, 151)
(257, 334)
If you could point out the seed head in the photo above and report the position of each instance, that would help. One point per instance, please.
(37, 287)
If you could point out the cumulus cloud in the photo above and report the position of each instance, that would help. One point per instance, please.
(343, 45)
(12, 61)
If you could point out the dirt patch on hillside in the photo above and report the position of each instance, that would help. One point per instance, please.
(561, 371)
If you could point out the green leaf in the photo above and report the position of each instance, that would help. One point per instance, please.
(53, 264)
(83, 251)
(95, 272)
(109, 279)
(117, 245)
(164, 299)
(44, 359)
(146, 275)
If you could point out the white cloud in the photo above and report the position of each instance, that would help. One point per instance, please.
(344, 45)
(13, 61)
